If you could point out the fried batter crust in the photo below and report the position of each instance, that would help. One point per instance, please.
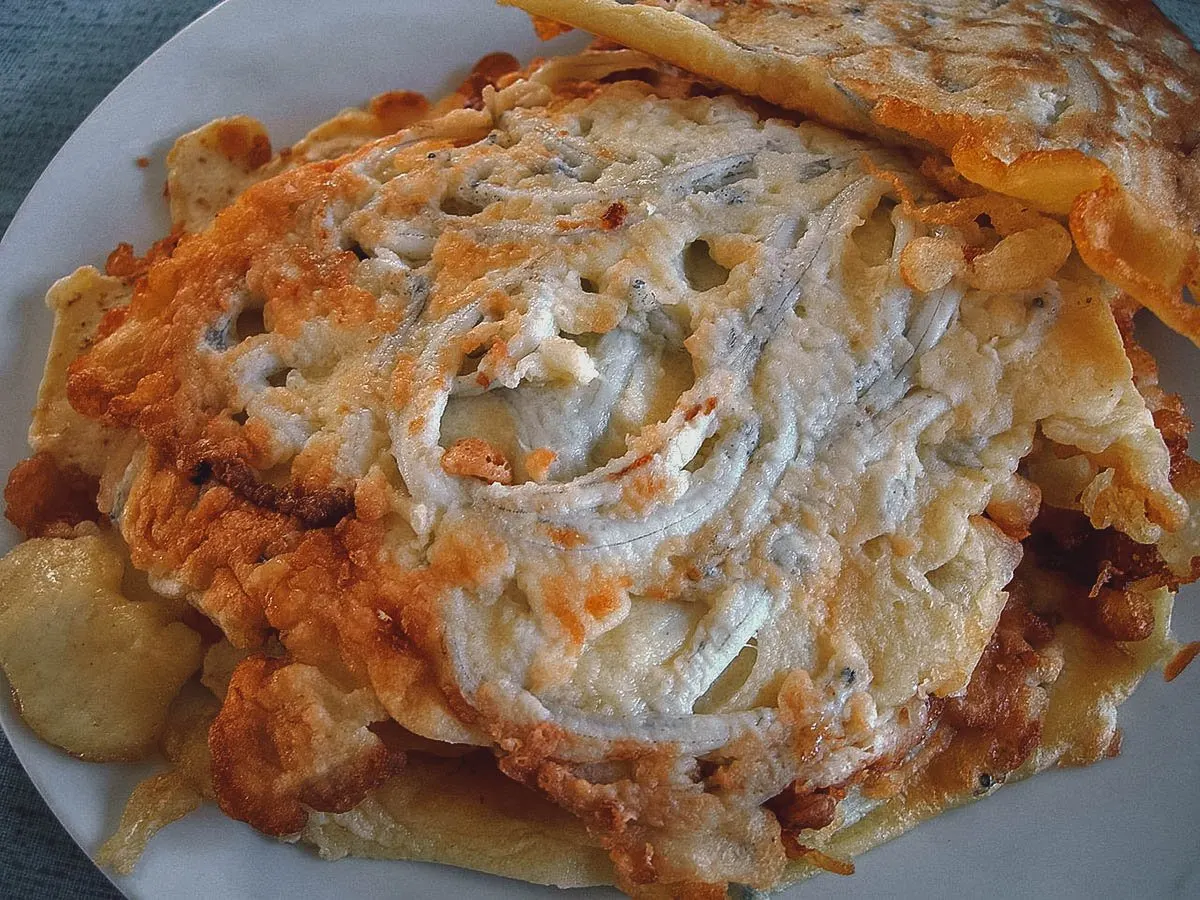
(269, 257)
(286, 739)
(159, 385)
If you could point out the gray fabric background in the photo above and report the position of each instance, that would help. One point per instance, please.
(58, 59)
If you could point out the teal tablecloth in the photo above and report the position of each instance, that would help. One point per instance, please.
(58, 58)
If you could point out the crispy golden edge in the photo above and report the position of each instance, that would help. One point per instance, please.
(45, 498)
(207, 169)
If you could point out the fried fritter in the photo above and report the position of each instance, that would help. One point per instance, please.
(758, 524)
(675, 455)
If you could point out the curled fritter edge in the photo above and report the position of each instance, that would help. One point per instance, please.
(1070, 721)
(1130, 186)
(171, 794)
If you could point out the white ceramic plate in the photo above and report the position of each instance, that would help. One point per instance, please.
(1125, 828)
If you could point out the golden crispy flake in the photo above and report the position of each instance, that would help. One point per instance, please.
(155, 803)
(477, 458)
(288, 738)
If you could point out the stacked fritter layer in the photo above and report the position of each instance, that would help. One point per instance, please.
(1083, 108)
(652, 442)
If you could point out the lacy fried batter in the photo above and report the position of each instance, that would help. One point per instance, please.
(605, 439)
(1086, 108)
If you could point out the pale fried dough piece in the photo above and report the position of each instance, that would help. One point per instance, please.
(207, 168)
(1090, 109)
(79, 302)
(219, 662)
(92, 671)
(56, 489)
(464, 812)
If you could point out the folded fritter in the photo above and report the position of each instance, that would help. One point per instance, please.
(600, 426)
(1083, 108)
(602, 479)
